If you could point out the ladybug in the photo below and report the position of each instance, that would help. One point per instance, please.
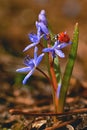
(63, 37)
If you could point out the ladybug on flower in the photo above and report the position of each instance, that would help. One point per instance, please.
(63, 37)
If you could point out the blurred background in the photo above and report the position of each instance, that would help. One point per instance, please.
(17, 19)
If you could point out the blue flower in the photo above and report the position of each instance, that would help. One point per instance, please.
(42, 17)
(34, 38)
(42, 31)
(31, 64)
(42, 23)
(43, 27)
(56, 49)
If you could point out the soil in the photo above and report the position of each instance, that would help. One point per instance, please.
(23, 107)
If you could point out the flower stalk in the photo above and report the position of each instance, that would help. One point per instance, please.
(53, 77)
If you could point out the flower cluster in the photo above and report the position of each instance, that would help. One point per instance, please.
(31, 64)
(42, 30)
(61, 40)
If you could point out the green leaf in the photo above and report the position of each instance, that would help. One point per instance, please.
(57, 69)
(69, 68)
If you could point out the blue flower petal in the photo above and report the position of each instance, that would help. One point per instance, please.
(28, 76)
(47, 50)
(43, 27)
(33, 37)
(42, 17)
(35, 53)
(62, 45)
(29, 46)
(25, 69)
(55, 45)
(39, 58)
(38, 32)
(29, 63)
(59, 53)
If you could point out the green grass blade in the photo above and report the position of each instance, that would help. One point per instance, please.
(69, 68)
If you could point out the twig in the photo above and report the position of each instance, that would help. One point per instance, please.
(59, 125)
(73, 112)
